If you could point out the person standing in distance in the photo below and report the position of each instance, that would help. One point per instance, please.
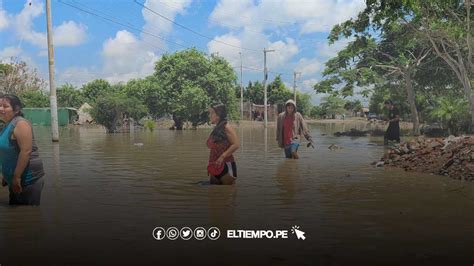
(393, 130)
(290, 127)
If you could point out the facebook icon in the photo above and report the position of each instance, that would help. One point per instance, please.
(158, 233)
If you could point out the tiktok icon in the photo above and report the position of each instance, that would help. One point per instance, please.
(213, 233)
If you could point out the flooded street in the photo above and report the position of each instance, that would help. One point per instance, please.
(104, 194)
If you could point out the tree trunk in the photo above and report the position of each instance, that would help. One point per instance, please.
(471, 107)
(411, 101)
(470, 97)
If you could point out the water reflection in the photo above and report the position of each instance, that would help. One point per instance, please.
(103, 190)
(222, 206)
(287, 176)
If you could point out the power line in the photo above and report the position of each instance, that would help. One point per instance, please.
(115, 21)
(261, 19)
(261, 69)
(130, 26)
(191, 30)
(304, 40)
(148, 44)
(170, 7)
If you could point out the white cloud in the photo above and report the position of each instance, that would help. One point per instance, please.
(125, 57)
(306, 86)
(69, 33)
(15, 53)
(309, 66)
(156, 25)
(4, 20)
(77, 75)
(309, 83)
(8, 52)
(310, 16)
(235, 13)
(231, 54)
(328, 13)
(23, 23)
(284, 50)
(258, 24)
(325, 50)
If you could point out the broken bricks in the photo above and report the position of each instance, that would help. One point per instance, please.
(452, 156)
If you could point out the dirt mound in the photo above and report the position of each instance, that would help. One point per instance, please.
(452, 156)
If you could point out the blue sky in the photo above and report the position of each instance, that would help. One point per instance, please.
(121, 39)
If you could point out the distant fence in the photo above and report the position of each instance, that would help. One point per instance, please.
(42, 116)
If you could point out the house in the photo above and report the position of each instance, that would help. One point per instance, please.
(84, 117)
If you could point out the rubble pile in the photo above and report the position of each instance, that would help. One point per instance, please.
(452, 156)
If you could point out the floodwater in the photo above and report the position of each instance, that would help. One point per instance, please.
(104, 194)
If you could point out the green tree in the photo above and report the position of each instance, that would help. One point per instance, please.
(303, 102)
(445, 25)
(212, 78)
(69, 96)
(96, 89)
(395, 54)
(452, 114)
(34, 99)
(391, 92)
(150, 92)
(448, 26)
(191, 103)
(317, 112)
(333, 105)
(277, 92)
(110, 109)
(353, 106)
(254, 92)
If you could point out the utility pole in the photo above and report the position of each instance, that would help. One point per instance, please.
(265, 74)
(52, 87)
(294, 83)
(241, 91)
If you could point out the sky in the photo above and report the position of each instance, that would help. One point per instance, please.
(119, 40)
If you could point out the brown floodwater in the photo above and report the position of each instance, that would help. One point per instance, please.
(105, 193)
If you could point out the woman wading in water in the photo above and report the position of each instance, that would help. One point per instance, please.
(22, 169)
(222, 142)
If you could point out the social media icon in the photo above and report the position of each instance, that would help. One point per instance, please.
(159, 233)
(186, 233)
(213, 233)
(199, 233)
(172, 233)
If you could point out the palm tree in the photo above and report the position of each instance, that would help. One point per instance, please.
(451, 113)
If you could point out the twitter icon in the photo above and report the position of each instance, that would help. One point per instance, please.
(186, 233)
